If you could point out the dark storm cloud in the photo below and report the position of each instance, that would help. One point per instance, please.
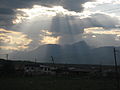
(7, 7)
(13, 4)
(72, 5)
(6, 11)
(6, 16)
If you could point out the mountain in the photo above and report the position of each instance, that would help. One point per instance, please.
(77, 53)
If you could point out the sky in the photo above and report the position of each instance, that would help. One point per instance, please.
(28, 24)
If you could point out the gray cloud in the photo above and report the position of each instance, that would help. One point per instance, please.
(6, 21)
(7, 7)
(66, 25)
(74, 25)
(72, 5)
(13, 4)
(6, 11)
(71, 28)
(102, 20)
(102, 40)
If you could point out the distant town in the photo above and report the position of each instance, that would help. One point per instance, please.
(27, 68)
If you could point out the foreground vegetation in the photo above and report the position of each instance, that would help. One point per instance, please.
(56, 83)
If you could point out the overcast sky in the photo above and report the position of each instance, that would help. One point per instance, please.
(27, 24)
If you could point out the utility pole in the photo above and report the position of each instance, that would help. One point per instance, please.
(6, 56)
(116, 69)
(52, 60)
(35, 60)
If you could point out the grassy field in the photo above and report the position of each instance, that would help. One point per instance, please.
(55, 83)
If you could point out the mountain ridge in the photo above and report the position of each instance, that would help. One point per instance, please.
(78, 52)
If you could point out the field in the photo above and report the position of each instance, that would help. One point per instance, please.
(56, 83)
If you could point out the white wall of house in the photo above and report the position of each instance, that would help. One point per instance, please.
(42, 69)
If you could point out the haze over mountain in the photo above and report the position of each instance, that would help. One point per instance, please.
(77, 53)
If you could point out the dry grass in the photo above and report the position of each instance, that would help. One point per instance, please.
(55, 83)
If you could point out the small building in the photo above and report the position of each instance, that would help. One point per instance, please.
(37, 69)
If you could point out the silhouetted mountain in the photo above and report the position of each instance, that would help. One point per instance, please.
(103, 55)
(77, 53)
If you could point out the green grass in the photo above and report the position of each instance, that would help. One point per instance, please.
(55, 83)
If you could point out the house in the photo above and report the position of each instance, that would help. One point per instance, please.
(37, 69)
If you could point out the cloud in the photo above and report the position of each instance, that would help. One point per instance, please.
(105, 20)
(71, 28)
(37, 11)
(6, 11)
(63, 21)
(6, 20)
(71, 5)
(101, 20)
(99, 4)
(9, 7)
(66, 25)
(108, 1)
(75, 25)
(11, 40)
(50, 40)
(68, 28)
(47, 38)
(102, 31)
(99, 36)
(75, 5)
